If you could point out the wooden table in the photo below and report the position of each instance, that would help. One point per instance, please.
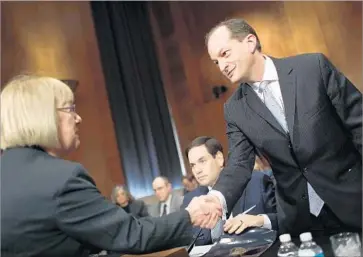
(175, 252)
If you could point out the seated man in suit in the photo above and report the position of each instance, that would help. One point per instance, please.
(168, 202)
(205, 155)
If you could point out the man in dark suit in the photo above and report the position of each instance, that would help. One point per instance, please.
(205, 155)
(305, 117)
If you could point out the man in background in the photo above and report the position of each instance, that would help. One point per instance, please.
(168, 201)
(205, 155)
(189, 183)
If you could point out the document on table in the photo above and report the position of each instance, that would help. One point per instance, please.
(200, 250)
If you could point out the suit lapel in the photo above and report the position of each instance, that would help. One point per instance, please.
(171, 207)
(255, 104)
(287, 80)
(203, 190)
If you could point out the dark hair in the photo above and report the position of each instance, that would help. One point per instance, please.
(190, 177)
(239, 29)
(213, 146)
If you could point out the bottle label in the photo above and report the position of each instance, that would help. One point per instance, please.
(290, 254)
(310, 253)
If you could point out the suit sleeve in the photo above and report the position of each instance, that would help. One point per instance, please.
(273, 220)
(269, 195)
(270, 201)
(241, 157)
(143, 211)
(84, 214)
(346, 99)
(186, 200)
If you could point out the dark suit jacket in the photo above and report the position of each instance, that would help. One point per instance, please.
(138, 209)
(259, 191)
(51, 207)
(324, 144)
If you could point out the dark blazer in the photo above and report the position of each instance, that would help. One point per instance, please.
(51, 207)
(138, 209)
(324, 145)
(259, 191)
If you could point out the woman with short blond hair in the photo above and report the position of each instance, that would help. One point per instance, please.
(50, 206)
(33, 110)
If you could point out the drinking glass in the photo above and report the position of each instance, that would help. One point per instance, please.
(346, 244)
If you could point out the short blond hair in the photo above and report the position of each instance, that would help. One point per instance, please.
(29, 111)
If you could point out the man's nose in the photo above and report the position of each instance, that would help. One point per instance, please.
(198, 170)
(223, 67)
(78, 118)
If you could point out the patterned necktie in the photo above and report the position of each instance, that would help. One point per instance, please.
(276, 107)
(164, 210)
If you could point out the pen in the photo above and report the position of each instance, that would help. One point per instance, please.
(249, 209)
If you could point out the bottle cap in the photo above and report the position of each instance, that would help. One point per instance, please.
(306, 237)
(284, 238)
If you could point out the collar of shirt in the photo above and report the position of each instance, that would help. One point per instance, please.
(269, 74)
(167, 202)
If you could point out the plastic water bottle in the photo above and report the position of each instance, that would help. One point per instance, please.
(308, 247)
(287, 247)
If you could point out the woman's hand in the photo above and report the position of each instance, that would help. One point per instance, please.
(241, 222)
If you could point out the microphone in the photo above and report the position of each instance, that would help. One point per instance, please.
(190, 247)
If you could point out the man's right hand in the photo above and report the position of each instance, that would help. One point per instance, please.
(203, 212)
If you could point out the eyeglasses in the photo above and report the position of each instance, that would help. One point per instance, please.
(69, 109)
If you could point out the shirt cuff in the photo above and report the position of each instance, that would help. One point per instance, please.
(222, 200)
(266, 221)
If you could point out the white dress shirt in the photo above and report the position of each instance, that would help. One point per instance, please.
(269, 75)
(167, 202)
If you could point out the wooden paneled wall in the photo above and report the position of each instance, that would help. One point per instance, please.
(58, 39)
(284, 28)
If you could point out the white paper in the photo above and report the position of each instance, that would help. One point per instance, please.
(200, 250)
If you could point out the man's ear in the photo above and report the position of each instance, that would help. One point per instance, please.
(170, 188)
(220, 159)
(252, 43)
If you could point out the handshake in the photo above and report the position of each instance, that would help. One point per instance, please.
(205, 211)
